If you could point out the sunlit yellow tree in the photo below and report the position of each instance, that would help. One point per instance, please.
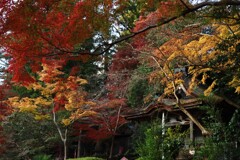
(203, 55)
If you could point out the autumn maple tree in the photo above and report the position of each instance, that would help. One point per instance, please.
(55, 94)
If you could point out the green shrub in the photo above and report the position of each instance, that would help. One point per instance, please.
(159, 142)
(87, 158)
(224, 140)
(42, 157)
(139, 88)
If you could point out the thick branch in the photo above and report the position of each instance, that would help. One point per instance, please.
(107, 46)
(184, 4)
(183, 13)
(204, 131)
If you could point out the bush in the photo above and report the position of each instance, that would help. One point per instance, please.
(87, 158)
(224, 140)
(140, 91)
(42, 157)
(156, 144)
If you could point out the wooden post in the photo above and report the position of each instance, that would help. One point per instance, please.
(191, 131)
(163, 132)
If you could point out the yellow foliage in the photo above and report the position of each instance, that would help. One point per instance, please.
(90, 103)
(27, 108)
(199, 52)
(196, 72)
(69, 107)
(47, 92)
(208, 91)
(49, 73)
(237, 90)
(13, 101)
(223, 31)
(178, 82)
(204, 78)
(54, 88)
(66, 122)
(77, 79)
(195, 50)
(235, 83)
(24, 105)
(168, 89)
(39, 117)
(148, 98)
(80, 114)
(43, 101)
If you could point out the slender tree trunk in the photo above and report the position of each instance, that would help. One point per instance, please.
(63, 137)
(163, 132)
(114, 132)
(191, 131)
(65, 149)
(79, 144)
(111, 147)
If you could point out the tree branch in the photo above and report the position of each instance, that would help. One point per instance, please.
(189, 9)
(178, 103)
(183, 13)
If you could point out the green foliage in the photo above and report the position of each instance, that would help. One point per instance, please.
(27, 137)
(223, 143)
(159, 142)
(173, 141)
(23, 91)
(221, 12)
(42, 157)
(87, 70)
(139, 88)
(139, 134)
(87, 158)
(150, 148)
(137, 91)
(133, 10)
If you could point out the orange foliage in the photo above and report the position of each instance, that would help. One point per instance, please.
(56, 92)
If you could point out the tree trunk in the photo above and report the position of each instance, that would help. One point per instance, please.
(79, 144)
(111, 147)
(65, 149)
(63, 137)
(114, 132)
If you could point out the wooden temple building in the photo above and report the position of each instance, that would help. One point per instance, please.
(172, 115)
